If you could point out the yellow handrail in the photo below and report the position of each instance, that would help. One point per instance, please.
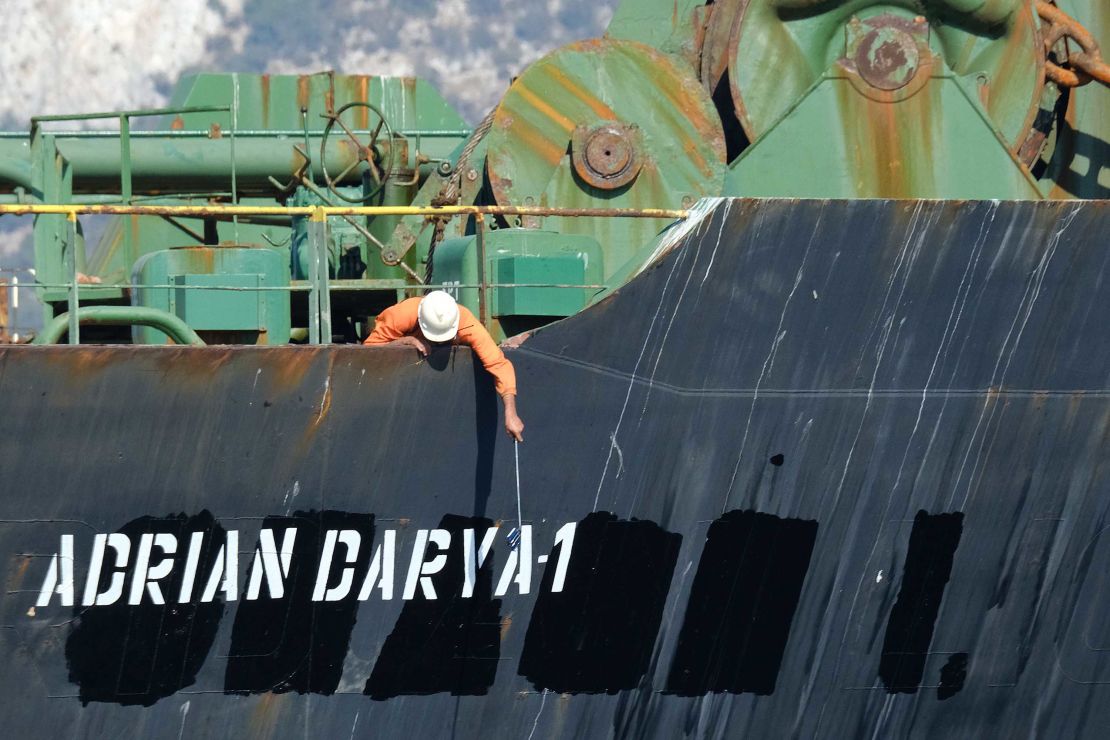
(30, 209)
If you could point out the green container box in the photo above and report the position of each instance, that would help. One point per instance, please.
(200, 302)
(556, 270)
(528, 257)
(215, 290)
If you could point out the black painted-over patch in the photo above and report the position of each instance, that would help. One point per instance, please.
(952, 676)
(293, 643)
(126, 654)
(742, 604)
(909, 630)
(597, 635)
(449, 644)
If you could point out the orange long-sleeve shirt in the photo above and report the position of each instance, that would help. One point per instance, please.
(401, 321)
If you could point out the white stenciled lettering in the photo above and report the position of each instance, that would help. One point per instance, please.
(381, 568)
(268, 563)
(225, 571)
(59, 575)
(122, 547)
(518, 568)
(419, 571)
(189, 575)
(473, 557)
(205, 572)
(564, 539)
(351, 541)
(147, 577)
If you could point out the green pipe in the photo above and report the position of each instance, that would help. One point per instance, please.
(409, 133)
(171, 325)
(168, 163)
(137, 113)
(15, 163)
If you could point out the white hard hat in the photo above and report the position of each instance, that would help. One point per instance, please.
(439, 316)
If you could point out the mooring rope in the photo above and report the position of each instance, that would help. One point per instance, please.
(449, 193)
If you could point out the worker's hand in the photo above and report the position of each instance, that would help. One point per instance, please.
(514, 427)
(514, 342)
(421, 345)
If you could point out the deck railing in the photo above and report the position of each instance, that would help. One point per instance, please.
(319, 287)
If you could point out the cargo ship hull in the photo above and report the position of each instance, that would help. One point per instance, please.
(825, 469)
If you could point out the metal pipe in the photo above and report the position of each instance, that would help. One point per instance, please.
(72, 295)
(299, 286)
(319, 298)
(15, 170)
(34, 209)
(137, 113)
(94, 288)
(125, 183)
(170, 325)
(14, 317)
(329, 211)
(483, 304)
(509, 211)
(167, 163)
(234, 177)
(244, 133)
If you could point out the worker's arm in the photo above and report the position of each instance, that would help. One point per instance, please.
(493, 359)
(395, 326)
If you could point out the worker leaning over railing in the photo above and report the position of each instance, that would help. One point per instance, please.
(436, 319)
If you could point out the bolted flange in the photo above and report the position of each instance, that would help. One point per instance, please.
(887, 57)
(607, 155)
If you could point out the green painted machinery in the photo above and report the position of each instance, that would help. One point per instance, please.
(227, 294)
(788, 98)
(680, 100)
(535, 273)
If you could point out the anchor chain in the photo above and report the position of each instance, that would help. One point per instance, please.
(1083, 66)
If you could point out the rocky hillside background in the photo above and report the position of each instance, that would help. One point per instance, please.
(66, 56)
(61, 56)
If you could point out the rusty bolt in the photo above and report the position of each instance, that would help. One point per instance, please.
(887, 58)
(608, 153)
(606, 156)
(472, 175)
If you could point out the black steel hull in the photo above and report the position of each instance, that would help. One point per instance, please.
(837, 468)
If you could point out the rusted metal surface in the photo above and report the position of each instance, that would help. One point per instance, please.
(817, 418)
(720, 26)
(888, 60)
(608, 155)
(778, 52)
(1083, 66)
(884, 49)
(1079, 161)
(595, 86)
